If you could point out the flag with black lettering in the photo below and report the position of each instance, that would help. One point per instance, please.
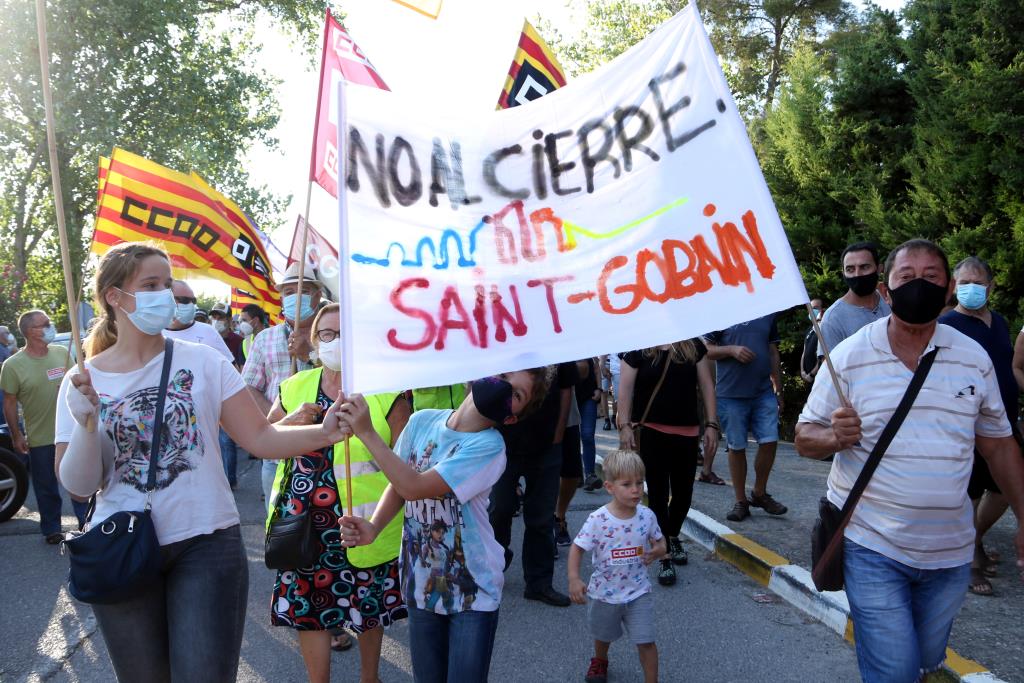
(534, 72)
(202, 230)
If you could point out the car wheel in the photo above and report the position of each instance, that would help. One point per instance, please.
(13, 484)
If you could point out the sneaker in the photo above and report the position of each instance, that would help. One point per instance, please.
(667, 574)
(562, 537)
(740, 511)
(592, 483)
(768, 504)
(607, 425)
(598, 671)
(676, 551)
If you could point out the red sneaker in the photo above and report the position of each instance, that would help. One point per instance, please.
(598, 671)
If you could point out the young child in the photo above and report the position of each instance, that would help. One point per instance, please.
(441, 471)
(625, 538)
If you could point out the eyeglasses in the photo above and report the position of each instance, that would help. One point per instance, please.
(185, 299)
(327, 336)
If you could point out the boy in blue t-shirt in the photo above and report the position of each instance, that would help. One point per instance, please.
(624, 539)
(441, 471)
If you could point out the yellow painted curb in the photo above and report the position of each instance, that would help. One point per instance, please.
(849, 631)
(961, 665)
(752, 559)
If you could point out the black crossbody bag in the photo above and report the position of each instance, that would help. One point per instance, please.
(290, 542)
(117, 559)
(827, 535)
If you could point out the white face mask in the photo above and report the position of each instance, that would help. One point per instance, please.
(220, 326)
(330, 354)
(153, 312)
(244, 329)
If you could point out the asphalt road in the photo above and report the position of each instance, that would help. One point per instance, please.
(714, 625)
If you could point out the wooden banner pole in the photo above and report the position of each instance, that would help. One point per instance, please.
(828, 360)
(302, 267)
(58, 197)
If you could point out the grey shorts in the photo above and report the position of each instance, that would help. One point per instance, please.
(606, 620)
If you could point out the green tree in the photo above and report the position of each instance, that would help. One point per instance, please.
(754, 40)
(172, 80)
(966, 75)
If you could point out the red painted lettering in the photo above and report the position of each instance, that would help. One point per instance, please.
(428, 320)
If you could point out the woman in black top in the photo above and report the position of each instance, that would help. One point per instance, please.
(668, 444)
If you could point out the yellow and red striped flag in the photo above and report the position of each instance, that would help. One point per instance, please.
(430, 8)
(203, 230)
(534, 72)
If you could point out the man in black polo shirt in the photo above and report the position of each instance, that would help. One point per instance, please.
(533, 448)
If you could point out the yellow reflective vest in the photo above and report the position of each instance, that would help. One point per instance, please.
(438, 398)
(368, 482)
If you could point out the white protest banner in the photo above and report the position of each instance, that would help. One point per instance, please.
(622, 211)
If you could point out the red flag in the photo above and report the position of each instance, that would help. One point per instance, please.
(341, 58)
(320, 254)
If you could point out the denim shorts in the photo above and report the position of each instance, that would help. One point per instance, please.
(741, 416)
(606, 620)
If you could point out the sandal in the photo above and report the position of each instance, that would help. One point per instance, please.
(342, 642)
(979, 585)
(711, 478)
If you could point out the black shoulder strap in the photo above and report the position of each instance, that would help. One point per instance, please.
(888, 433)
(158, 419)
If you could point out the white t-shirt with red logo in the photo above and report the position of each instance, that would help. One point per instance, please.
(618, 547)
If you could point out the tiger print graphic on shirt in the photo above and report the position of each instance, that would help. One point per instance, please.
(128, 422)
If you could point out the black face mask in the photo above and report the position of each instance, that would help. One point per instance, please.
(918, 302)
(492, 397)
(862, 285)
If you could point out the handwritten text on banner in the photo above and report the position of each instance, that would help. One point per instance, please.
(622, 211)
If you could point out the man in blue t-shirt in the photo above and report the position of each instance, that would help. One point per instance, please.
(749, 395)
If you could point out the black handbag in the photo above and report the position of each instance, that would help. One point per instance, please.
(827, 535)
(290, 542)
(117, 559)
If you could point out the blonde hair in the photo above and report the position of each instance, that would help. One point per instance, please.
(329, 308)
(116, 267)
(621, 464)
(678, 352)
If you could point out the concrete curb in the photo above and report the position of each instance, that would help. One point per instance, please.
(793, 584)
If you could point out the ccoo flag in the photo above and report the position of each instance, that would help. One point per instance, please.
(534, 71)
(342, 59)
(203, 231)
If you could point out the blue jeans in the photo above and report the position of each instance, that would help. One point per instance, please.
(451, 648)
(740, 416)
(229, 456)
(901, 615)
(44, 483)
(588, 426)
(188, 625)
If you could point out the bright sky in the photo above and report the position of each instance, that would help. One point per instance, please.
(459, 60)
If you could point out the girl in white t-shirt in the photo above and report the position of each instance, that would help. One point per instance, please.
(188, 624)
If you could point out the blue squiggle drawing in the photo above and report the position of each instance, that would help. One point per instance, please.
(441, 260)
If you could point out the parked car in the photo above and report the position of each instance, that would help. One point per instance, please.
(13, 477)
(64, 339)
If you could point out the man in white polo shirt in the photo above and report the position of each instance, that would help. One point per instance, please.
(908, 547)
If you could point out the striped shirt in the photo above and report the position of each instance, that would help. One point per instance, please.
(915, 509)
(268, 363)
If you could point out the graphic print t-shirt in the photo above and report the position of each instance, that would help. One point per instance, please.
(192, 495)
(450, 561)
(618, 547)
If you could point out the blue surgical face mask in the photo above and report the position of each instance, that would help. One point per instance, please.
(972, 296)
(305, 312)
(49, 334)
(185, 313)
(153, 312)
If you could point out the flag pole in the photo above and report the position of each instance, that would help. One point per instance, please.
(828, 359)
(302, 266)
(58, 197)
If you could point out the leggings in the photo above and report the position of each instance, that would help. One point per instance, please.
(671, 463)
(188, 625)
